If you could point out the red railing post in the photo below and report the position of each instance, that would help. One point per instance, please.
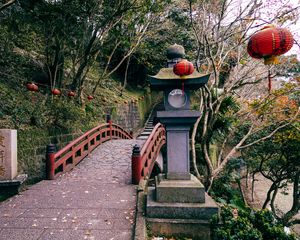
(136, 164)
(50, 161)
(109, 121)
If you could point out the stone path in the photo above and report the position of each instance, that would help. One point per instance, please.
(95, 201)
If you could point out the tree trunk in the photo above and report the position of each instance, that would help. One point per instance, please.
(252, 187)
(193, 148)
(268, 199)
(193, 139)
(78, 81)
(57, 69)
(126, 74)
(296, 203)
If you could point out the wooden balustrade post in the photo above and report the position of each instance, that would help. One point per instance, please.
(136, 164)
(50, 161)
(109, 121)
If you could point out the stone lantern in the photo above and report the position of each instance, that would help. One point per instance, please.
(178, 195)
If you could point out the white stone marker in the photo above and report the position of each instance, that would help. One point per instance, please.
(8, 154)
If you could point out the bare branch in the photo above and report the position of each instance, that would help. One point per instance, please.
(7, 4)
(233, 150)
(272, 133)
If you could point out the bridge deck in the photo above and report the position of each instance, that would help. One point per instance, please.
(94, 201)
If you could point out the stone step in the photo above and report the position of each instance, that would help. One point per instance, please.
(189, 228)
(146, 133)
(200, 211)
(148, 130)
(142, 137)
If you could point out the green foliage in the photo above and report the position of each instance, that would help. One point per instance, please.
(268, 226)
(248, 225)
(277, 158)
(225, 188)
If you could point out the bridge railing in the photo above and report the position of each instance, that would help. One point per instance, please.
(68, 157)
(143, 159)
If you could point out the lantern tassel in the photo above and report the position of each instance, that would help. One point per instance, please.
(271, 60)
(182, 83)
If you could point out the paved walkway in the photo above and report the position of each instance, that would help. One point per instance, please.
(95, 201)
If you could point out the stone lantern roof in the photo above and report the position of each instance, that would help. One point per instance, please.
(166, 78)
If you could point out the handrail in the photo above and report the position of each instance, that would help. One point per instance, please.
(68, 157)
(143, 159)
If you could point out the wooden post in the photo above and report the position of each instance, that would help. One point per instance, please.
(50, 161)
(109, 121)
(136, 164)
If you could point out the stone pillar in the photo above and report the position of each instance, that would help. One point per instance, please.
(178, 161)
(8, 154)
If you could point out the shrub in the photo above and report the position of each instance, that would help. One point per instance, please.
(248, 225)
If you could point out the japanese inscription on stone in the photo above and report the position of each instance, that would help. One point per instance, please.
(8, 154)
(2, 169)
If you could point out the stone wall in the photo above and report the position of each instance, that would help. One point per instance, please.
(132, 115)
(32, 151)
(128, 117)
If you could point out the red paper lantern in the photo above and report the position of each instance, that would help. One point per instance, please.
(56, 92)
(183, 68)
(90, 97)
(32, 87)
(71, 94)
(270, 42)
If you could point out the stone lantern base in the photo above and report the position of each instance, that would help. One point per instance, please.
(179, 191)
(179, 208)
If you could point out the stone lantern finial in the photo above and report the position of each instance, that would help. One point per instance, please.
(175, 51)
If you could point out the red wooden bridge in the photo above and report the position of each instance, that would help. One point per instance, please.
(91, 191)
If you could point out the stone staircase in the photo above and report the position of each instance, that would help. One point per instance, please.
(150, 123)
